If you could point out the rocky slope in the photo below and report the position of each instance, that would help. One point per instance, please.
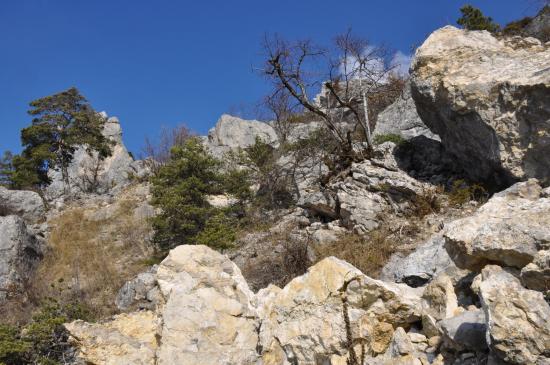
(334, 314)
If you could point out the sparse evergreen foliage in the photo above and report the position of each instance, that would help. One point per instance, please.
(44, 339)
(473, 19)
(180, 189)
(61, 122)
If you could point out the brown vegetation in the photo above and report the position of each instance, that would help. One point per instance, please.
(90, 256)
(367, 253)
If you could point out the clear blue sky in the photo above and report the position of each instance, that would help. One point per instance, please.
(161, 62)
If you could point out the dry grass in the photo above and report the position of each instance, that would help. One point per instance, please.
(280, 258)
(427, 202)
(89, 259)
(367, 253)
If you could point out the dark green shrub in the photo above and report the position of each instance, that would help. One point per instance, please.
(473, 19)
(13, 348)
(218, 232)
(180, 189)
(44, 339)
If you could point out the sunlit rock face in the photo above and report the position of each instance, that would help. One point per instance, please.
(487, 98)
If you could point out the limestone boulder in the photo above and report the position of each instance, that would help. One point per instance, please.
(209, 317)
(304, 322)
(20, 253)
(418, 268)
(401, 118)
(439, 298)
(487, 98)
(466, 331)
(518, 319)
(128, 339)
(536, 275)
(26, 204)
(509, 229)
(231, 133)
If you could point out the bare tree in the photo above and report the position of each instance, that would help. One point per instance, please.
(157, 153)
(347, 74)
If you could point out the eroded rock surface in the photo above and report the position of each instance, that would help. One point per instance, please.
(487, 99)
(20, 252)
(518, 319)
(509, 229)
(26, 204)
(401, 118)
(88, 174)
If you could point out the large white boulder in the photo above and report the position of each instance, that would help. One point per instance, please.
(487, 98)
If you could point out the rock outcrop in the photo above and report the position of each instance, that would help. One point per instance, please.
(26, 204)
(231, 133)
(487, 98)
(509, 230)
(401, 118)
(88, 173)
(518, 319)
(209, 316)
(539, 26)
(20, 252)
(369, 189)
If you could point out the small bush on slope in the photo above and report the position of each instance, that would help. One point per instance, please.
(44, 339)
(180, 189)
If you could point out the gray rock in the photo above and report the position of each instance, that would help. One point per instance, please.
(140, 292)
(402, 119)
(536, 275)
(509, 230)
(26, 204)
(466, 331)
(114, 172)
(400, 344)
(539, 27)
(428, 260)
(231, 133)
(517, 318)
(20, 252)
(487, 98)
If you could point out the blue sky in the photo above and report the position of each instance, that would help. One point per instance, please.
(164, 62)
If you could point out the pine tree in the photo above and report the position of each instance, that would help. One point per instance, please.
(180, 188)
(61, 122)
(473, 19)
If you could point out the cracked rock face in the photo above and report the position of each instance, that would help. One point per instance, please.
(517, 318)
(114, 171)
(402, 119)
(487, 99)
(20, 252)
(26, 204)
(209, 316)
(510, 229)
